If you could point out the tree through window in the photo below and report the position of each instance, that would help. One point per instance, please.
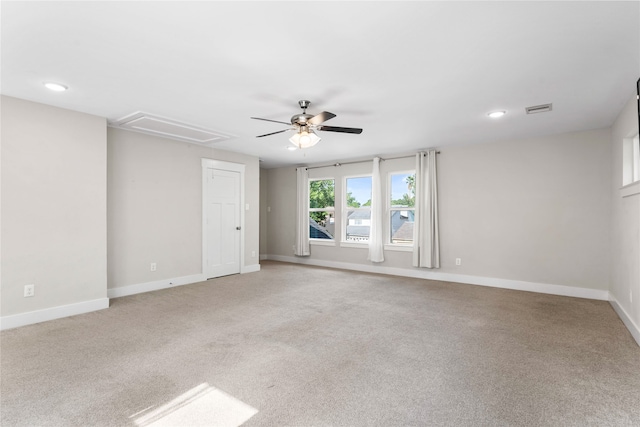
(321, 209)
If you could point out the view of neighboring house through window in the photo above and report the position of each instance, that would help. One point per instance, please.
(358, 209)
(322, 209)
(402, 207)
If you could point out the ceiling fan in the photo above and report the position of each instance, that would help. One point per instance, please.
(305, 126)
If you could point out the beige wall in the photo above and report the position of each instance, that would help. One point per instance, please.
(155, 207)
(625, 231)
(281, 201)
(76, 195)
(533, 210)
(53, 206)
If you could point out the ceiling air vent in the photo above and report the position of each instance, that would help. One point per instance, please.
(167, 128)
(538, 109)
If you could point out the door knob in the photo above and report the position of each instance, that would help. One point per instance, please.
(238, 228)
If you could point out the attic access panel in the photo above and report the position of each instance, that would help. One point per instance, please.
(168, 128)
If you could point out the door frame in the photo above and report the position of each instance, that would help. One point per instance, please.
(226, 166)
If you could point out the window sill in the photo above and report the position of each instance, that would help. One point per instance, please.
(322, 242)
(364, 245)
(387, 247)
(630, 189)
(398, 248)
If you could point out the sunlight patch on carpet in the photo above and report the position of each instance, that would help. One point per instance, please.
(203, 405)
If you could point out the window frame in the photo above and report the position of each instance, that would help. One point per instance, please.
(389, 244)
(331, 210)
(635, 158)
(345, 209)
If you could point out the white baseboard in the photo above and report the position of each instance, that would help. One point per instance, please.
(519, 285)
(263, 257)
(156, 285)
(250, 268)
(626, 319)
(37, 316)
(29, 318)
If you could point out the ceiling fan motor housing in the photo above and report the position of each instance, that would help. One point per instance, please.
(300, 119)
(307, 124)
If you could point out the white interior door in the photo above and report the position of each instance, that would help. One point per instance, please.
(222, 235)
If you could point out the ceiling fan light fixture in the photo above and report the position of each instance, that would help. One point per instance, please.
(304, 139)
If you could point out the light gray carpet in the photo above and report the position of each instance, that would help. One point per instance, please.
(308, 346)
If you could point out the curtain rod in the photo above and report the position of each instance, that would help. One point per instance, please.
(361, 161)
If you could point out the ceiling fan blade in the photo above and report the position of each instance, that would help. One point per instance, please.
(340, 129)
(320, 118)
(269, 120)
(272, 133)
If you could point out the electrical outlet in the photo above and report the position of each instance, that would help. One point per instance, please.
(153, 266)
(253, 254)
(458, 261)
(29, 290)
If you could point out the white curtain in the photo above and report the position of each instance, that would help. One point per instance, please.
(426, 245)
(376, 247)
(302, 213)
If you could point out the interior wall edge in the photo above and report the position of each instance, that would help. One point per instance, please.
(626, 319)
(52, 313)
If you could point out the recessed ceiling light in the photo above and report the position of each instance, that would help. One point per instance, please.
(57, 87)
(291, 148)
(496, 114)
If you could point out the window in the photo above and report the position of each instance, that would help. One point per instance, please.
(631, 160)
(636, 158)
(322, 209)
(357, 209)
(402, 200)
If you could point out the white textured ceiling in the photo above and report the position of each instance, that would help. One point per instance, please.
(412, 74)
